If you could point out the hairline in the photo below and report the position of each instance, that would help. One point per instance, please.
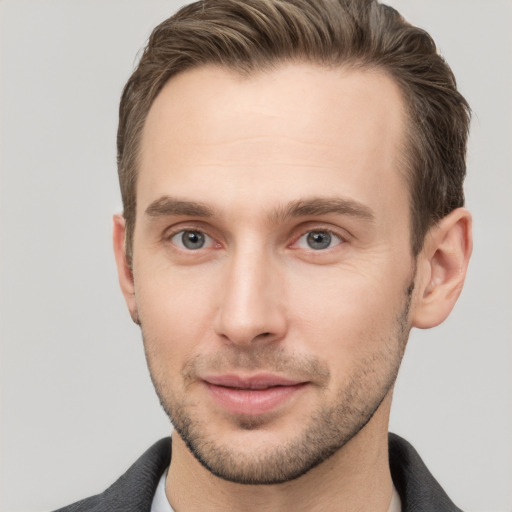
(249, 70)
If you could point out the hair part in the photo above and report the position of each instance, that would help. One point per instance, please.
(256, 35)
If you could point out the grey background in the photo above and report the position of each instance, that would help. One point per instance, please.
(77, 405)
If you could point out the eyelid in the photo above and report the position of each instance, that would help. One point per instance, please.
(208, 240)
(174, 230)
(309, 227)
(301, 230)
(335, 238)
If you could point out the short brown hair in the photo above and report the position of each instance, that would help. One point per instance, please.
(250, 35)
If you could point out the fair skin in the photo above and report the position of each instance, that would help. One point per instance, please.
(272, 278)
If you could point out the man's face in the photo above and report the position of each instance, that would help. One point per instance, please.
(272, 264)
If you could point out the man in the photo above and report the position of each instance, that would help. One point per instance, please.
(291, 174)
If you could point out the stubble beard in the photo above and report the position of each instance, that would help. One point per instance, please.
(331, 426)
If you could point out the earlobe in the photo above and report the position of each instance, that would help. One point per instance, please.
(124, 270)
(442, 267)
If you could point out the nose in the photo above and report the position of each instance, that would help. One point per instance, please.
(251, 308)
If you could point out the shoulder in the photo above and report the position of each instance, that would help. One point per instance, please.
(418, 489)
(134, 490)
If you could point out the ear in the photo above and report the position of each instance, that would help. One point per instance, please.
(442, 266)
(124, 270)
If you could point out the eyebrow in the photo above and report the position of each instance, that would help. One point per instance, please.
(168, 206)
(313, 207)
(323, 206)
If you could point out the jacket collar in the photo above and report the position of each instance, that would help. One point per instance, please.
(419, 491)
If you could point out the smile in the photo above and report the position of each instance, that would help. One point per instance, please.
(253, 395)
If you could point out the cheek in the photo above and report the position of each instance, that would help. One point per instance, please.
(347, 314)
(175, 312)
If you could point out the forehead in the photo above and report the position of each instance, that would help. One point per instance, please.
(297, 130)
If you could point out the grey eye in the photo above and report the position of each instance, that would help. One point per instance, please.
(191, 240)
(319, 239)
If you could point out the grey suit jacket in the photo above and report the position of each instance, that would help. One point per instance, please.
(133, 492)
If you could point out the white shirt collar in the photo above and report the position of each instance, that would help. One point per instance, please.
(161, 503)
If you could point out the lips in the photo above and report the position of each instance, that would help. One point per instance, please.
(252, 395)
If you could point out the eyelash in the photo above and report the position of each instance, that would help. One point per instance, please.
(333, 234)
(169, 236)
(183, 231)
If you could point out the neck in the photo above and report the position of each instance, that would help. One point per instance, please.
(356, 478)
